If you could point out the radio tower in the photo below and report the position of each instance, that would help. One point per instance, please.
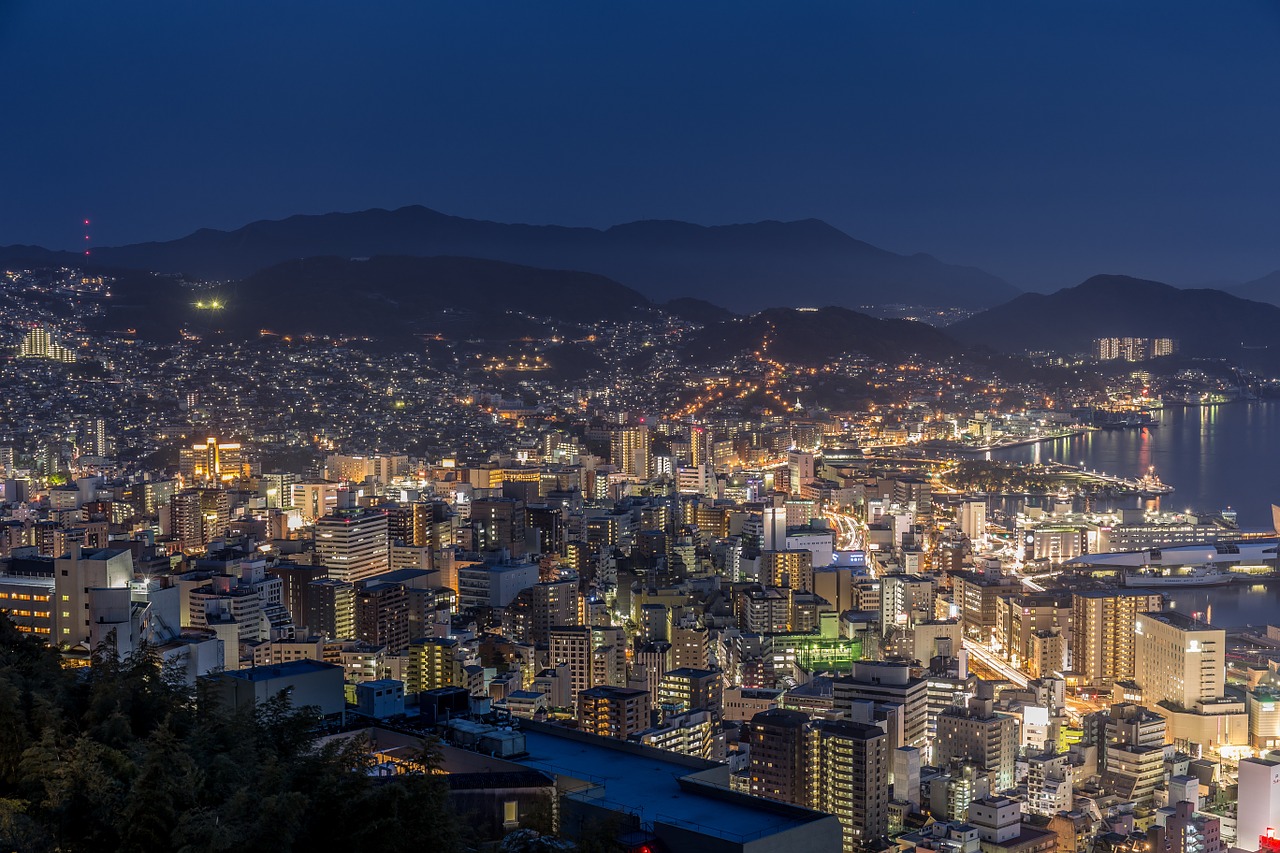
(86, 236)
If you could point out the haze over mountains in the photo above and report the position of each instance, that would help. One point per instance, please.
(1265, 289)
(744, 268)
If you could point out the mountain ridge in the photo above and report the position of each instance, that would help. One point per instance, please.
(742, 266)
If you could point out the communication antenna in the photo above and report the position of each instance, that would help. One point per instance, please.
(86, 236)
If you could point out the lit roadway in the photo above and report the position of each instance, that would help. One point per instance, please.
(851, 534)
(983, 660)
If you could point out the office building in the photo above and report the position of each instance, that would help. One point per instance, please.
(211, 463)
(76, 575)
(890, 684)
(1258, 802)
(1178, 659)
(352, 544)
(535, 610)
(498, 524)
(329, 609)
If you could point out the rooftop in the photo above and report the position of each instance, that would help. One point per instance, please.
(1178, 620)
(281, 670)
(647, 781)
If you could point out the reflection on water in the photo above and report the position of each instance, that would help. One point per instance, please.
(1230, 606)
(1214, 456)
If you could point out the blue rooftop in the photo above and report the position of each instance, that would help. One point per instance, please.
(646, 782)
(281, 670)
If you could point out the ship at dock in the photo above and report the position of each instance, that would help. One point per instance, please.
(1162, 577)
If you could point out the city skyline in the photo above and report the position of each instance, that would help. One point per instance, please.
(391, 521)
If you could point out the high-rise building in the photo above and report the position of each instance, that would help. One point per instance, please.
(1132, 348)
(329, 609)
(981, 735)
(499, 523)
(541, 607)
(1185, 831)
(432, 525)
(629, 451)
(779, 768)
(973, 518)
(789, 569)
(1258, 804)
(690, 647)
(1102, 632)
(891, 684)
(839, 767)
(1021, 615)
(76, 575)
(352, 544)
(850, 764)
(432, 663)
(294, 578)
(196, 517)
(313, 500)
(697, 733)
(211, 463)
(40, 343)
(572, 645)
(382, 615)
(1178, 659)
(1134, 755)
(616, 712)
(381, 468)
(1049, 784)
(978, 596)
(683, 690)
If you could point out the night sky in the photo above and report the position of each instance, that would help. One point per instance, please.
(1043, 141)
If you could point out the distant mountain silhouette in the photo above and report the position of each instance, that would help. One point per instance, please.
(381, 297)
(1207, 323)
(1265, 289)
(742, 267)
(697, 310)
(815, 337)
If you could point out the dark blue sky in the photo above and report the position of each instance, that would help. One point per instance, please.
(1043, 141)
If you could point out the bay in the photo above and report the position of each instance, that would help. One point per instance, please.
(1215, 457)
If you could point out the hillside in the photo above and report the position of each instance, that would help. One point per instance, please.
(381, 297)
(816, 337)
(742, 267)
(1207, 323)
